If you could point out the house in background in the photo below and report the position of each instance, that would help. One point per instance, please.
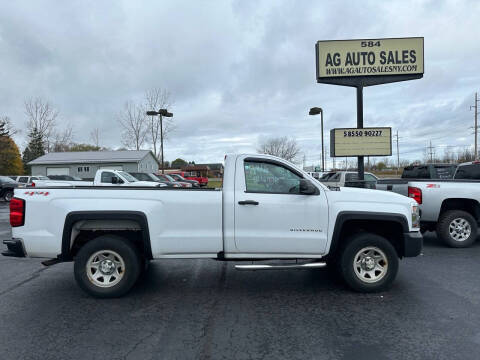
(85, 164)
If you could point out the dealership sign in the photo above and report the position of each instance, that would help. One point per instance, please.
(369, 57)
(361, 142)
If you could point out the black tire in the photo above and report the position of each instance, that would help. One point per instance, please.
(443, 228)
(110, 244)
(8, 196)
(388, 261)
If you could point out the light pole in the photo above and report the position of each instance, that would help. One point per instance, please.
(161, 113)
(316, 111)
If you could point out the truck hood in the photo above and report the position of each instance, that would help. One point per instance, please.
(349, 194)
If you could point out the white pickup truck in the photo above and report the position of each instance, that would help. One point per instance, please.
(103, 177)
(268, 209)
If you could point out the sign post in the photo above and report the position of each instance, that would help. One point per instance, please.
(367, 62)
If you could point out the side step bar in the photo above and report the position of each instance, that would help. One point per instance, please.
(312, 265)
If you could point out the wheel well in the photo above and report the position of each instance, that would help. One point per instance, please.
(469, 205)
(81, 228)
(85, 236)
(389, 229)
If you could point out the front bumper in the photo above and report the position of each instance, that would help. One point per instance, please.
(14, 248)
(412, 243)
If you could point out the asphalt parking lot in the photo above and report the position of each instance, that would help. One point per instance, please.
(203, 309)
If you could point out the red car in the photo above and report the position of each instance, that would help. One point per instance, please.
(202, 181)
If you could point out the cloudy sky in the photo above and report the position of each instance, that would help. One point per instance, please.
(239, 71)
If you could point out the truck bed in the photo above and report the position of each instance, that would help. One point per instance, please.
(183, 220)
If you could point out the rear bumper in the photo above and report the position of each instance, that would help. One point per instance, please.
(14, 248)
(412, 243)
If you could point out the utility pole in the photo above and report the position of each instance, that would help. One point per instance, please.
(475, 107)
(398, 153)
(430, 150)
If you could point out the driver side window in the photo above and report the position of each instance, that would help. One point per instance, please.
(265, 177)
(107, 177)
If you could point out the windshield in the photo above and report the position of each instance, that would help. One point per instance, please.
(178, 177)
(154, 177)
(169, 177)
(127, 176)
(6, 179)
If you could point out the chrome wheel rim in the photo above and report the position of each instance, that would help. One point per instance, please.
(370, 264)
(459, 229)
(8, 196)
(105, 268)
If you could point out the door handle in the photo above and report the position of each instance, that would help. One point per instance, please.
(248, 202)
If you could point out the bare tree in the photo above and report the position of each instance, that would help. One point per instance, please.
(95, 137)
(282, 147)
(134, 124)
(6, 127)
(41, 116)
(63, 140)
(156, 99)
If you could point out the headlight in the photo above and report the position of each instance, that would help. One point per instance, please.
(415, 217)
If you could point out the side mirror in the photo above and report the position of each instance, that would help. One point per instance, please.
(307, 188)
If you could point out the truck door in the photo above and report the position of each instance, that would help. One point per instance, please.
(271, 216)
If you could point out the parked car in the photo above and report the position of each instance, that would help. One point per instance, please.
(167, 177)
(153, 177)
(202, 181)
(27, 180)
(180, 178)
(349, 179)
(268, 209)
(7, 186)
(417, 172)
(103, 177)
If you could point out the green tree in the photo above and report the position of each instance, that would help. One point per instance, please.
(381, 166)
(10, 161)
(179, 162)
(34, 149)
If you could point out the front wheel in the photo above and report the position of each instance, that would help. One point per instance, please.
(107, 266)
(368, 263)
(457, 228)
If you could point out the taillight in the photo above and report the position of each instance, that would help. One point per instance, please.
(415, 194)
(32, 184)
(17, 212)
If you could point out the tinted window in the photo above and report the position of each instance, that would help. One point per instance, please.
(370, 177)
(468, 172)
(270, 178)
(23, 179)
(409, 172)
(445, 172)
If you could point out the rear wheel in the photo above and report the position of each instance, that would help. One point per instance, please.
(368, 263)
(107, 266)
(457, 228)
(8, 195)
